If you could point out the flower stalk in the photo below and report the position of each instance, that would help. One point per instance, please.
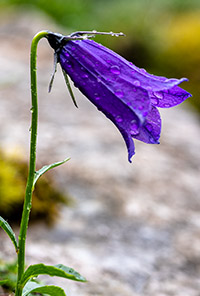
(32, 162)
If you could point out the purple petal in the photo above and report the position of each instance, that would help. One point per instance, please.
(150, 131)
(126, 94)
(121, 70)
(108, 69)
(120, 113)
(129, 144)
(169, 98)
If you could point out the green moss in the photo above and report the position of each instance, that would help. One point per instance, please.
(46, 197)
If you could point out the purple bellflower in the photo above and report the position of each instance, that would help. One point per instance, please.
(126, 94)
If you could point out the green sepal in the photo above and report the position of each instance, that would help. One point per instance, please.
(7, 228)
(69, 88)
(57, 270)
(46, 168)
(33, 287)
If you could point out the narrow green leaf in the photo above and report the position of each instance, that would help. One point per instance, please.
(58, 270)
(6, 227)
(46, 168)
(32, 287)
(69, 88)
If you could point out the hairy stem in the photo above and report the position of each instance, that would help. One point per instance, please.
(32, 162)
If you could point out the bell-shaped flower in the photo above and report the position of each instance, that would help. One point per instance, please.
(126, 94)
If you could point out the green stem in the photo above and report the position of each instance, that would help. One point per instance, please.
(32, 163)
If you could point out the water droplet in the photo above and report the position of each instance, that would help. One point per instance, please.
(134, 128)
(149, 127)
(142, 70)
(68, 65)
(84, 76)
(98, 78)
(66, 54)
(97, 96)
(115, 69)
(112, 34)
(94, 31)
(32, 109)
(118, 118)
(73, 48)
(119, 93)
(154, 101)
(158, 94)
(166, 105)
(109, 61)
(134, 89)
(141, 107)
(137, 83)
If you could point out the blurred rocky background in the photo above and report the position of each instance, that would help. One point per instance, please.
(130, 229)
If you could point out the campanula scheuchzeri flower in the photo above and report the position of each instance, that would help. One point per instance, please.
(126, 94)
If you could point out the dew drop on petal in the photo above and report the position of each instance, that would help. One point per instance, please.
(68, 65)
(118, 118)
(158, 95)
(142, 70)
(134, 89)
(96, 95)
(154, 101)
(109, 61)
(115, 70)
(84, 75)
(141, 107)
(137, 83)
(98, 78)
(119, 93)
(134, 128)
(166, 105)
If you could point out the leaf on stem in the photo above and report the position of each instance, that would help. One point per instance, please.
(32, 287)
(57, 270)
(46, 168)
(7, 228)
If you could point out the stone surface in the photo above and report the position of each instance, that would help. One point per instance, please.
(134, 229)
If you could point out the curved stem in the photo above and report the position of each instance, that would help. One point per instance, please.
(32, 162)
